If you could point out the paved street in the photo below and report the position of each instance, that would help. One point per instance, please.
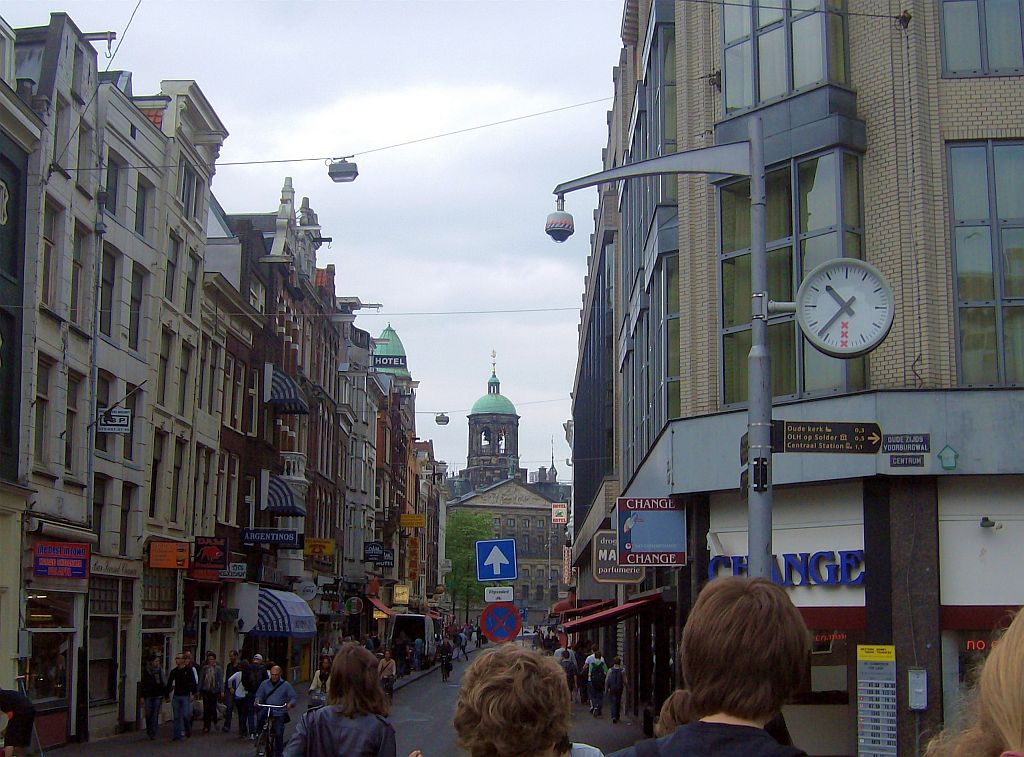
(421, 715)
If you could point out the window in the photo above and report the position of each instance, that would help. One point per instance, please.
(257, 294)
(189, 190)
(128, 492)
(202, 378)
(178, 480)
(184, 367)
(253, 401)
(51, 253)
(239, 395)
(135, 306)
(813, 215)
(79, 246)
(114, 167)
(102, 655)
(553, 592)
(99, 499)
(86, 162)
(191, 281)
(60, 130)
(496, 522)
(170, 274)
(987, 208)
(232, 505)
(214, 375)
(772, 48)
(132, 401)
(78, 74)
(108, 280)
(164, 366)
(511, 523)
(222, 487)
(156, 483)
(71, 419)
(103, 382)
(538, 594)
(42, 412)
(143, 193)
(229, 384)
(982, 37)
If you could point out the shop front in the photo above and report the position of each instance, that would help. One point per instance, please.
(54, 663)
(284, 632)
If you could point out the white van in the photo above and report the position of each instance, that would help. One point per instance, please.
(413, 626)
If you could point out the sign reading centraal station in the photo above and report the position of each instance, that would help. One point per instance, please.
(844, 567)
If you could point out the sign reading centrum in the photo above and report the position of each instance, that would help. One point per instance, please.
(651, 530)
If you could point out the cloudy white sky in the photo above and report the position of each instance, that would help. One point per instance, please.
(452, 224)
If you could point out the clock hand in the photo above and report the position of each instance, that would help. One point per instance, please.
(838, 315)
(842, 303)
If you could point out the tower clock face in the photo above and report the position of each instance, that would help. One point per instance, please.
(845, 307)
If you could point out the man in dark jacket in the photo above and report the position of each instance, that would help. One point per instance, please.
(254, 675)
(229, 670)
(739, 675)
(182, 688)
(152, 690)
(19, 729)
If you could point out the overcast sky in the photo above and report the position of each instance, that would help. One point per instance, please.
(451, 224)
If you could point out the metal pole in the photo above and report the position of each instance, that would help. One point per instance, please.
(759, 373)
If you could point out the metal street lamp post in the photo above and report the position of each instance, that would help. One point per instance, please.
(737, 159)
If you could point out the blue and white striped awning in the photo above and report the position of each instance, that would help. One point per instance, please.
(282, 500)
(281, 613)
(285, 394)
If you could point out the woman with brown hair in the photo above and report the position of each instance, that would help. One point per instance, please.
(353, 722)
(514, 703)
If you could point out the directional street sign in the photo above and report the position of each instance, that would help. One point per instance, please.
(826, 436)
(501, 622)
(496, 560)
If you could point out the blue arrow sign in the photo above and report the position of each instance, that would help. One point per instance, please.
(496, 560)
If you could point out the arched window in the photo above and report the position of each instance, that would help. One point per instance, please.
(501, 442)
(539, 593)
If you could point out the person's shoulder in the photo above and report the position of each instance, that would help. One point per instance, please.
(585, 750)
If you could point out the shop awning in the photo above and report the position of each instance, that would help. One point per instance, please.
(381, 606)
(285, 394)
(612, 614)
(587, 608)
(434, 614)
(281, 613)
(282, 500)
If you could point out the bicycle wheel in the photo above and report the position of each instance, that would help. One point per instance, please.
(263, 743)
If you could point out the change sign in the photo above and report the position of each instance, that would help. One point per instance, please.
(651, 531)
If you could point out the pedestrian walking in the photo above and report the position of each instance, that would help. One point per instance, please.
(211, 686)
(417, 653)
(275, 691)
(513, 703)
(353, 723)
(238, 698)
(229, 706)
(570, 671)
(613, 687)
(181, 687)
(318, 685)
(152, 690)
(597, 676)
(388, 671)
(254, 675)
(399, 651)
(462, 642)
(736, 688)
(582, 673)
(18, 736)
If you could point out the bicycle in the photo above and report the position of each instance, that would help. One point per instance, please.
(265, 739)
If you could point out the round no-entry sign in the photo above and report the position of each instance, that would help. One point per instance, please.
(500, 622)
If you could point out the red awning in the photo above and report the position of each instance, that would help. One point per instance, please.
(588, 608)
(612, 614)
(381, 606)
(434, 614)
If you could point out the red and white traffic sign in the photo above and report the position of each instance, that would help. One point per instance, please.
(500, 622)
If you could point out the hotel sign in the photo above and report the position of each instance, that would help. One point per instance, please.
(389, 361)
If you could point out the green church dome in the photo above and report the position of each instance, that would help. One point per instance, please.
(493, 401)
(389, 354)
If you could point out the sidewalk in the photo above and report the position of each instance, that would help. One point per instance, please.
(602, 732)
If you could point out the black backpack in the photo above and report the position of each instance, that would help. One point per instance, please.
(598, 674)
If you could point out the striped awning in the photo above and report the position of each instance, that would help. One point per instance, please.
(284, 393)
(282, 500)
(282, 613)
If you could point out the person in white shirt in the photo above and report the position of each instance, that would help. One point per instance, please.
(236, 690)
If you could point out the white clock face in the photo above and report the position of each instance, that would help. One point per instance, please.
(845, 307)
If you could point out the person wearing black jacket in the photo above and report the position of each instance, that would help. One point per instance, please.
(229, 670)
(19, 728)
(152, 690)
(182, 688)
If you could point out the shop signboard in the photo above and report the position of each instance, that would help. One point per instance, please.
(58, 559)
(401, 594)
(605, 561)
(567, 565)
(173, 555)
(236, 571)
(412, 548)
(412, 520)
(876, 700)
(373, 551)
(354, 606)
(651, 531)
(387, 559)
(559, 513)
(828, 567)
(211, 553)
(322, 549)
(279, 537)
(115, 420)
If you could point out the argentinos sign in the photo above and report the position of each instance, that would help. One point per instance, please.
(651, 531)
(844, 567)
(605, 562)
(281, 537)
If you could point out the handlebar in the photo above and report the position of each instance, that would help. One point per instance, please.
(272, 706)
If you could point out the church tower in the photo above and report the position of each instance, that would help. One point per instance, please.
(493, 438)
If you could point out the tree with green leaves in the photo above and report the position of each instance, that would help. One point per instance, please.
(463, 531)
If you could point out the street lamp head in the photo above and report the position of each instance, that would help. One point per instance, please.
(341, 171)
(559, 225)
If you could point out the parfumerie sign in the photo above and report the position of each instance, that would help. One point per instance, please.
(606, 562)
(389, 361)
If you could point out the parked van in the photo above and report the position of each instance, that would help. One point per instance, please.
(413, 626)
